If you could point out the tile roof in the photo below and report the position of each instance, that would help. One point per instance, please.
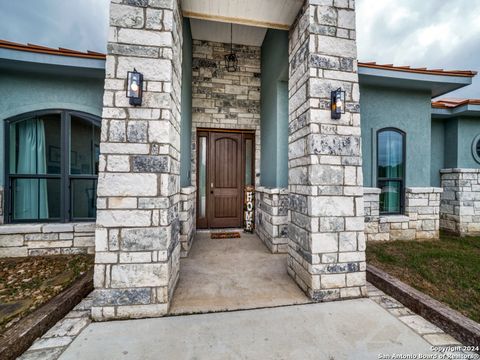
(462, 73)
(96, 55)
(453, 103)
(46, 50)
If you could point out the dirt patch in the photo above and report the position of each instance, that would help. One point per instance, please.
(28, 283)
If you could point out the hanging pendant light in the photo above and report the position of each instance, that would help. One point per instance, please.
(231, 61)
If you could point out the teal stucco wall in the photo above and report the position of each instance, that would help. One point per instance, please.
(437, 151)
(407, 110)
(22, 92)
(468, 129)
(274, 109)
(459, 135)
(186, 119)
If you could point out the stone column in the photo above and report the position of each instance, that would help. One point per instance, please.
(460, 201)
(326, 254)
(137, 235)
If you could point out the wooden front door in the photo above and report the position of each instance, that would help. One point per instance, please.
(221, 178)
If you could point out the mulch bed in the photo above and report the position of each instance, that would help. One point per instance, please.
(28, 283)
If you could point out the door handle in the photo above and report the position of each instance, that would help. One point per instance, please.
(211, 188)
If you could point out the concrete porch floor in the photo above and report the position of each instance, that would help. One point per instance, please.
(233, 274)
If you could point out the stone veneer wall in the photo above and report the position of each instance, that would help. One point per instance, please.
(222, 99)
(326, 254)
(137, 237)
(187, 215)
(271, 218)
(420, 221)
(17, 240)
(460, 201)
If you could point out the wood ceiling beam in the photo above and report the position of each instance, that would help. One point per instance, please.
(236, 20)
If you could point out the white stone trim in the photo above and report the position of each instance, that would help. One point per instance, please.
(271, 217)
(460, 201)
(18, 240)
(421, 219)
(187, 216)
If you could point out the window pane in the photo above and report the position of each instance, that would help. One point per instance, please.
(202, 177)
(390, 196)
(35, 145)
(390, 154)
(248, 161)
(35, 199)
(83, 198)
(84, 147)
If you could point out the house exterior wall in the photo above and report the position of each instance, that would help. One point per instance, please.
(454, 136)
(460, 201)
(187, 216)
(467, 129)
(458, 174)
(326, 247)
(409, 111)
(274, 109)
(271, 218)
(420, 220)
(22, 92)
(18, 240)
(438, 151)
(137, 240)
(186, 122)
(222, 99)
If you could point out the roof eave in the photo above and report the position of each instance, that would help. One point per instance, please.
(467, 110)
(28, 57)
(437, 84)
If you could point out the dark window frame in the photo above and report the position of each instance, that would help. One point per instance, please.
(66, 195)
(398, 180)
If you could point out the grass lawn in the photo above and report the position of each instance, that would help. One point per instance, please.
(447, 269)
(28, 283)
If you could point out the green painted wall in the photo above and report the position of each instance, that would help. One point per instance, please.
(21, 92)
(437, 151)
(406, 110)
(468, 129)
(186, 120)
(451, 148)
(274, 109)
(459, 136)
(452, 144)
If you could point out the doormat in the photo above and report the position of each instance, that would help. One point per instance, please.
(225, 235)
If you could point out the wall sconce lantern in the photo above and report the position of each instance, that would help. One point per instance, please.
(135, 87)
(337, 103)
(231, 61)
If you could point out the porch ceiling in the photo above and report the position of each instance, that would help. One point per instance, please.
(220, 32)
(276, 14)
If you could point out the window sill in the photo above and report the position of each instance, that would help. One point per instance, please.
(393, 218)
(26, 228)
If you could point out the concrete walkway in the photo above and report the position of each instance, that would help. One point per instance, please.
(233, 274)
(355, 329)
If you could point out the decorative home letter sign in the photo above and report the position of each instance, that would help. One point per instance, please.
(249, 206)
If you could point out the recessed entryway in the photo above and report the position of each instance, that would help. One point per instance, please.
(225, 166)
(233, 274)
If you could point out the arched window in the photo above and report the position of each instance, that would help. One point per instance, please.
(52, 166)
(391, 170)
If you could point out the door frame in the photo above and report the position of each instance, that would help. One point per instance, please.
(202, 223)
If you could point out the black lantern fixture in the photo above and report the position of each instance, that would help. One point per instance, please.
(231, 61)
(135, 87)
(337, 103)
